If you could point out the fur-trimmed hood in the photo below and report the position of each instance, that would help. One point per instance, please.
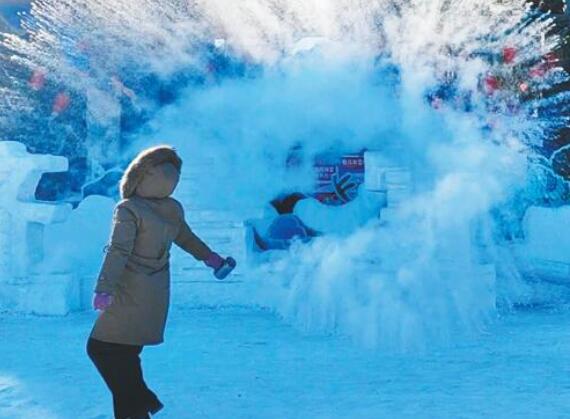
(146, 160)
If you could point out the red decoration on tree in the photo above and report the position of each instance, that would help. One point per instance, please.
(551, 59)
(61, 103)
(538, 71)
(524, 87)
(492, 84)
(509, 55)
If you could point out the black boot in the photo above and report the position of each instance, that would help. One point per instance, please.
(155, 406)
(146, 416)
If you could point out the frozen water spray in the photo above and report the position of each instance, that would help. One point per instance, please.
(414, 79)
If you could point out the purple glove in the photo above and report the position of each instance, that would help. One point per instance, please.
(214, 261)
(102, 301)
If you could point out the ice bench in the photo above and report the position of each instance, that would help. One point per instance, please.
(544, 252)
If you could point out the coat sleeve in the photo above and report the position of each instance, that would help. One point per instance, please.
(191, 243)
(118, 250)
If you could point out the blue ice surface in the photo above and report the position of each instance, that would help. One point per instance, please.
(238, 363)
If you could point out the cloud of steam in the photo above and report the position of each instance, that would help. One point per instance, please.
(414, 281)
(248, 127)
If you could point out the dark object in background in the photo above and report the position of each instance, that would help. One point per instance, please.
(556, 142)
(62, 186)
(285, 204)
(554, 147)
(282, 232)
(560, 163)
(552, 6)
(70, 186)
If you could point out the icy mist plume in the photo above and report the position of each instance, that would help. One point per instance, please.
(344, 75)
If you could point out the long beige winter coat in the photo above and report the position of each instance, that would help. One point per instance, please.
(136, 267)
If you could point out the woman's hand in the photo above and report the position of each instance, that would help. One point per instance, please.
(102, 301)
(222, 267)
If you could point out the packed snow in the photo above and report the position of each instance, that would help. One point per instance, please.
(236, 363)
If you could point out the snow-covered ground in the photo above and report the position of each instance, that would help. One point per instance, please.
(241, 363)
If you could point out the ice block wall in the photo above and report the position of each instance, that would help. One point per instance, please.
(24, 285)
(223, 230)
(543, 254)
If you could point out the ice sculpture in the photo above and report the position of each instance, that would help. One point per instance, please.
(23, 285)
(544, 252)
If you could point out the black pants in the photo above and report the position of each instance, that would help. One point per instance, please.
(120, 367)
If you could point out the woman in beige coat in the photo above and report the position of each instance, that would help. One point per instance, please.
(133, 288)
